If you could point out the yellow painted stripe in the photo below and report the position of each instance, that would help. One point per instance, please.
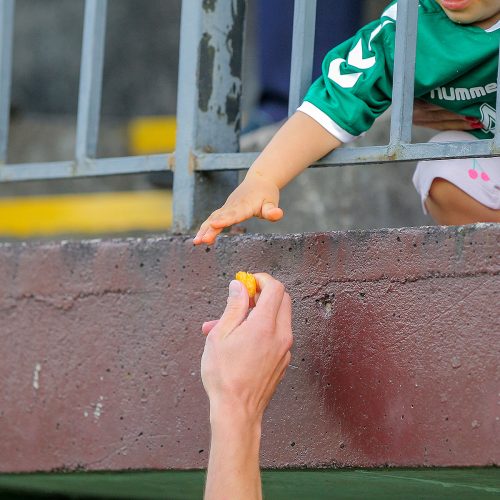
(86, 213)
(152, 134)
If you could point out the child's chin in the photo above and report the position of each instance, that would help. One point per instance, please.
(459, 18)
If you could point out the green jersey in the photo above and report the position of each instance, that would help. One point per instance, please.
(456, 68)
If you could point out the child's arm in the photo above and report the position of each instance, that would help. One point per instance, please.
(354, 89)
(300, 142)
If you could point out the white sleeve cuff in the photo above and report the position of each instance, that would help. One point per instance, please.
(326, 122)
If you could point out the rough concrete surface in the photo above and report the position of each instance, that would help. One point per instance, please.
(395, 358)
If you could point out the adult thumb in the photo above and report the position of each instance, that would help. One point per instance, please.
(236, 309)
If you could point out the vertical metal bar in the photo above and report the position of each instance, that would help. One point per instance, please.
(304, 24)
(496, 141)
(208, 106)
(6, 42)
(89, 96)
(404, 72)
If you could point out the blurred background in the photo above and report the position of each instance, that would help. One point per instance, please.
(138, 117)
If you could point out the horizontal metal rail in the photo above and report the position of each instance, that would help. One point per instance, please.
(89, 168)
(372, 155)
(365, 155)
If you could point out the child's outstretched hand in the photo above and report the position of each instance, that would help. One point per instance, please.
(256, 196)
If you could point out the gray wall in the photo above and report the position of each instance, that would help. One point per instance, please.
(140, 72)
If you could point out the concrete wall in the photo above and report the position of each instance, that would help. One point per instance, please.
(395, 359)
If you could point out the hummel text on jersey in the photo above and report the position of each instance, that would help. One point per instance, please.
(462, 93)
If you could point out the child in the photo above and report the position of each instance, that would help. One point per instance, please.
(456, 68)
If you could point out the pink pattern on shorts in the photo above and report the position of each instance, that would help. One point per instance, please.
(474, 174)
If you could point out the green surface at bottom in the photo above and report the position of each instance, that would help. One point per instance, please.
(384, 484)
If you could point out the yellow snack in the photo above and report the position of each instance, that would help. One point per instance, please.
(249, 281)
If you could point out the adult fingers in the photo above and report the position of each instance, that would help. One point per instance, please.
(284, 322)
(207, 327)
(285, 365)
(235, 312)
(280, 370)
(269, 301)
(445, 115)
(449, 125)
(440, 115)
(419, 104)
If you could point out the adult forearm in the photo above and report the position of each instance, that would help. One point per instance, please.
(233, 467)
(298, 143)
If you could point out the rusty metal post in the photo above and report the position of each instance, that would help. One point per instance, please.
(208, 108)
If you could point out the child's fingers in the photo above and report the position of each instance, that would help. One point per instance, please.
(200, 237)
(206, 227)
(210, 235)
(231, 215)
(271, 212)
(201, 232)
(215, 224)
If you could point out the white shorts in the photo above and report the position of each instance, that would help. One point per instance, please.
(478, 177)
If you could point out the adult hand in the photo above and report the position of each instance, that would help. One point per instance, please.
(244, 359)
(432, 116)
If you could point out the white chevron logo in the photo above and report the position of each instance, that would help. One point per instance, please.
(346, 81)
(355, 59)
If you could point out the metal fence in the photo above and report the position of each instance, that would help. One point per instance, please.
(206, 160)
